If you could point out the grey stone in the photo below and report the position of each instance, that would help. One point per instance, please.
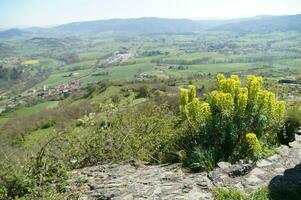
(204, 182)
(298, 137)
(279, 170)
(295, 144)
(253, 180)
(83, 198)
(239, 186)
(199, 194)
(274, 158)
(257, 171)
(263, 163)
(127, 197)
(282, 150)
(224, 165)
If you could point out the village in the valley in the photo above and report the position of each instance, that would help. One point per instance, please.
(44, 92)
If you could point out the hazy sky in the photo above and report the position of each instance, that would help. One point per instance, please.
(52, 12)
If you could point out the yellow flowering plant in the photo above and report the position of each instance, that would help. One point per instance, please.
(229, 112)
(192, 109)
(254, 149)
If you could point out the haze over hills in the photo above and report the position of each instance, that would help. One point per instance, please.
(150, 25)
(142, 25)
(14, 32)
(264, 24)
(161, 25)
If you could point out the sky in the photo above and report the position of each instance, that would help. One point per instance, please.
(15, 13)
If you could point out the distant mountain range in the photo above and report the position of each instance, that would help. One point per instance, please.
(261, 24)
(153, 25)
(14, 32)
(141, 25)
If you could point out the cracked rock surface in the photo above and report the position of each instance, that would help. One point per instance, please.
(138, 181)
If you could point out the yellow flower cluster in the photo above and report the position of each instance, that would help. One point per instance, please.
(254, 147)
(183, 101)
(268, 106)
(229, 90)
(191, 107)
(254, 85)
(231, 98)
(266, 102)
(230, 85)
(242, 100)
(280, 111)
(261, 101)
(191, 93)
(222, 101)
(203, 113)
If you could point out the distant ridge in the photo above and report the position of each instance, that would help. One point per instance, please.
(264, 24)
(141, 25)
(14, 32)
(152, 25)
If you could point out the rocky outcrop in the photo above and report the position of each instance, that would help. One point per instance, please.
(138, 181)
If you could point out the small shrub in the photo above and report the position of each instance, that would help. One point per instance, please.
(34, 178)
(228, 194)
(291, 126)
(126, 93)
(201, 160)
(14, 181)
(116, 98)
(3, 193)
(143, 91)
(87, 120)
(145, 132)
(46, 194)
(261, 194)
(234, 194)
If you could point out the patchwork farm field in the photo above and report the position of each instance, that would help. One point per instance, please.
(48, 62)
(245, 53)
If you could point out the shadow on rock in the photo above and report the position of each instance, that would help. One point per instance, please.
(288, 186)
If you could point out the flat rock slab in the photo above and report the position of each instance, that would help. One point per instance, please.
(143, 182)
(139, 181)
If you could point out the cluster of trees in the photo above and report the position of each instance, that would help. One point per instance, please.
(21, 78)
(7, 74)
(153, 53)
(69, 58)
(182, 61)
